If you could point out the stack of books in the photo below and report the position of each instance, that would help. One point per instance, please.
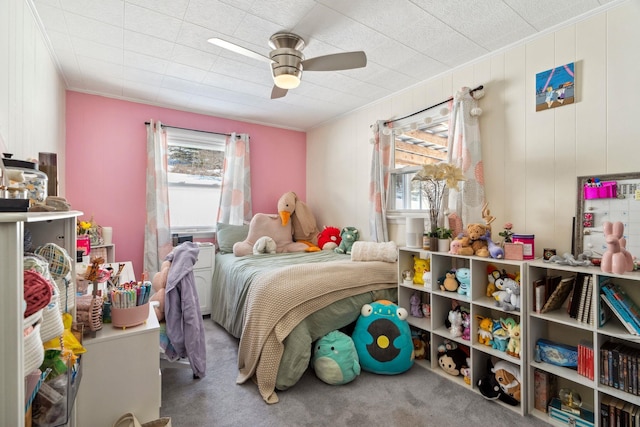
(619, 367)
(580, 307)
(551, 292)
(616, 412)
(585, 359)
(621, 305)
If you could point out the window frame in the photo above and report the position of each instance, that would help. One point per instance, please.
(197, 140)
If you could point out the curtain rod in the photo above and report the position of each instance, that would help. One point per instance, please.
(429, 108)
(195, 130)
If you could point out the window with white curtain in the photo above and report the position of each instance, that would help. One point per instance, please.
(194, 164)
(417, 141)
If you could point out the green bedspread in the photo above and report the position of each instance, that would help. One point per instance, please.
(231, 282)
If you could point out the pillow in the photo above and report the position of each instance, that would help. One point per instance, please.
(227, 235)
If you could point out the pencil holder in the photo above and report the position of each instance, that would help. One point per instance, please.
(128, 317)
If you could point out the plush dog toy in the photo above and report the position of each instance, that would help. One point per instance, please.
(348, 235)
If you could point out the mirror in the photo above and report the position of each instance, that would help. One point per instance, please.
(614, 197)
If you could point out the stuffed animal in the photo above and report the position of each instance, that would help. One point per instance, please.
(416, 305)
(420, 345)
(466, 326)
(449, 282)
(329, 238)
(303, 221)
(507, 295)
(452, 361)
(500, 338)
(513, 331)
(159, 283)
(493, 275)
(463, 275)
(489, 387)
(268, 225)
(420, 266)
(495, 251)
(335, 359)
(264, 245)
(383, 338)
(455, 320)
(616, 259)
(473, 242)
(348, 235)
(508, 376)
(455, 246)
(485, 326)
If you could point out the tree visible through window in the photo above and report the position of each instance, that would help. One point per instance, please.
(194, 162)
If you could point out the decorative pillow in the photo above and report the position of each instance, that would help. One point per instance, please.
(227, 235)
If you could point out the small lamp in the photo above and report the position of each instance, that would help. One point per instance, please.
(287, 81)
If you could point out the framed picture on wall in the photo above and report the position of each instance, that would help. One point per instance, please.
(555, 87)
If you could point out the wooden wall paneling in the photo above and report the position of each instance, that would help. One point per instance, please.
(623, 87)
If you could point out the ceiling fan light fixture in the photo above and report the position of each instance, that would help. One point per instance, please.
(287, 81)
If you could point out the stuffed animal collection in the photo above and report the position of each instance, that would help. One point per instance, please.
(491, 388)
(348, 235)
(501, 334)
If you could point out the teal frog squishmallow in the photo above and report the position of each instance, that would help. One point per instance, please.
(335, 359)
(383, 339)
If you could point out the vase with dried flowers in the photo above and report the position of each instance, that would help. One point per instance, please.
(434, 179)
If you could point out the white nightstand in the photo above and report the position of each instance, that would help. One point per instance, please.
(203, 275)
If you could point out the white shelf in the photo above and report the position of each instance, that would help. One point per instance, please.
(478, 304)
(45, 227)
(558, 326)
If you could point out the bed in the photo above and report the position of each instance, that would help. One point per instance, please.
(279, 304)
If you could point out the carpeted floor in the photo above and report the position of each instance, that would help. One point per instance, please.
(416, 398)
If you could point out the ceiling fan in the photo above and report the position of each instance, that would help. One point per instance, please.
(287, 60)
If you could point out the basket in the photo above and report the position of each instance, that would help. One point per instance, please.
(58, 258)
(89, 312)
(52, 325)
(128, 317)
(33, 349)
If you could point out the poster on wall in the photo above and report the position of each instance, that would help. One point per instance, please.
(555, 87)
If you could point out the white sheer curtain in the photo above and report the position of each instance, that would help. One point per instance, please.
(157, 232)
(379, 184)
(235, 195)
(465, 151)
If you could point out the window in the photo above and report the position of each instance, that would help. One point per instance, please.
(194, 164)
(415, 145)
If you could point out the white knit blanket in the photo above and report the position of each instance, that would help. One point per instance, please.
(279, 300)
(374, 251)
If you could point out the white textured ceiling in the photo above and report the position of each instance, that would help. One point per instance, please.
(156, 51)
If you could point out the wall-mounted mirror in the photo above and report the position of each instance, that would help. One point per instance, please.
(614, 197)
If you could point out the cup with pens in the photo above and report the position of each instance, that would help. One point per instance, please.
(129, 304)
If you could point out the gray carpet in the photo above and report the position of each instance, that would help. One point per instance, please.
(416, 398)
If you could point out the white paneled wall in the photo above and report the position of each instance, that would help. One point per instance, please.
(531, 158)
(32, 96)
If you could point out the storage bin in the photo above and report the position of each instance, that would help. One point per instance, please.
(35, 182)
(608, 190)
(128, 317)
(528, 244)
(33, 349)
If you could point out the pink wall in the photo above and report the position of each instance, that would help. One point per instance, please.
(106, 161)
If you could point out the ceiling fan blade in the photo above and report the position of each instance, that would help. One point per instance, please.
(238, 49)
(278, 92)
(336, 61)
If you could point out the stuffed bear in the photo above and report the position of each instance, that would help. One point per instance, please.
(329, 238)
(473, 242)
(348, 235)
(159, 283)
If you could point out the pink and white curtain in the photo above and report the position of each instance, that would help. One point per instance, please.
(157, 232)
(235, 195)
(465, 151)
(379, 184)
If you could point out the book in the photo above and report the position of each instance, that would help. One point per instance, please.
(545, 385)
(586, 315)
(619, 312)
(605, 313)
(538, 294)
(583, 297)
(551, 284)
(559, 295)
(628, 304)
(604, 410)
(575, 298)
